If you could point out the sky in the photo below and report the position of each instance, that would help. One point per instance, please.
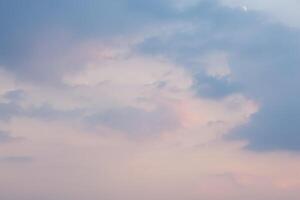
(149, 100)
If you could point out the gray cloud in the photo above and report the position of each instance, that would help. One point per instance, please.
(215, 88)
(5, 137)
(7, 110)
(264, 59)
(16, 159)
(14, 95)
(13, 108)
(35, 35)
(264, 56)
(136, 122)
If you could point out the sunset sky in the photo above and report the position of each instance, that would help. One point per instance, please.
(149, 100)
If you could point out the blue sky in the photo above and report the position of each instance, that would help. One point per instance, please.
(149, 100)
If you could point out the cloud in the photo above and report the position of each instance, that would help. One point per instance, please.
(5, 137)
(38, 33)
(254, 47)
(285, 12)
(83, 165)
(126, 97)
(215, 88)
(16, 159)
(136, 121)
(136, 100)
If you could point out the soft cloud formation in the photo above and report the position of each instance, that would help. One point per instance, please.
(254, 47)
(147, 100)
(132, 96)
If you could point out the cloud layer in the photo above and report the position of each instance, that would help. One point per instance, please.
(148, 100)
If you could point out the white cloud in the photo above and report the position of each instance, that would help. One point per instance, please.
(245, 8)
